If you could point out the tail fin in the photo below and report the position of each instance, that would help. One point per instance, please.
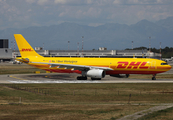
(24, 47)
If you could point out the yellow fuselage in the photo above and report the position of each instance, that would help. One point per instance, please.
(119, 65)
(110, 66)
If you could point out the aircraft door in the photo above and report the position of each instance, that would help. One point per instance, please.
(112, 64)
(153, 65)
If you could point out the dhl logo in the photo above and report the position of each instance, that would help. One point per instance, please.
(25, 49)
(132, 65)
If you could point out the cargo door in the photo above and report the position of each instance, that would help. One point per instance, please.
(153, 65)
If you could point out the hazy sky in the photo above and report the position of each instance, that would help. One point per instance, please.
(25, 13)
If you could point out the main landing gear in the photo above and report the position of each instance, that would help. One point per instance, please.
(81, 78)
(127, 75)
(85, 78)
(95, 78)
(154, 77)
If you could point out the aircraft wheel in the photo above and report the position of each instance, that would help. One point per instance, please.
(84, 78)
(127, 75)
(153, 78)
(95, 78)
(81, 78)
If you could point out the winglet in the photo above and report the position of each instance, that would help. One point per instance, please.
(24, 47)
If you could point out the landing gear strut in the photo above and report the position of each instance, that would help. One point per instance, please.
(154, 77)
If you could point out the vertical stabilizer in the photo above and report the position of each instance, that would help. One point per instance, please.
(25, 48)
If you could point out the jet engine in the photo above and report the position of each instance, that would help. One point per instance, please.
(96, 73)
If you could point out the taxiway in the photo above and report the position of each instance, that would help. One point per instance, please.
(70, 78)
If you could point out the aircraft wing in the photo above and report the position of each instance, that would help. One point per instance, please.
(74, 67)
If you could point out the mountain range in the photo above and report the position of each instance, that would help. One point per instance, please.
(110, 35)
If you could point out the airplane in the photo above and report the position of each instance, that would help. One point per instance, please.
(96, 68)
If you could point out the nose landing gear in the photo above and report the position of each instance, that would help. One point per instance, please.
(154, 77)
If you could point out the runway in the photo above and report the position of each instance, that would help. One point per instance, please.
(70, 78)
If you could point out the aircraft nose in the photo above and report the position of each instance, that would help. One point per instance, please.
(170, 67)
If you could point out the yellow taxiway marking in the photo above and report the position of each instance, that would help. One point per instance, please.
(18, 78)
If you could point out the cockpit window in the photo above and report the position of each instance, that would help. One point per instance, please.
(164, 63)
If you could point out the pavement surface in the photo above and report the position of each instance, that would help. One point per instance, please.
(146, 112)
(70, 78)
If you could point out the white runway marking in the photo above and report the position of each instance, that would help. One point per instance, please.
(89, 81)
(56, 81)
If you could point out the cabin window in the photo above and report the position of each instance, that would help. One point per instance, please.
(164, 63)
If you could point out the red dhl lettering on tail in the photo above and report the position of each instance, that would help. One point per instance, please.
(25, 49)
(132, 65)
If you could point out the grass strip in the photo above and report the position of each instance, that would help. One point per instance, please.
(159, 115)
(90, 101)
